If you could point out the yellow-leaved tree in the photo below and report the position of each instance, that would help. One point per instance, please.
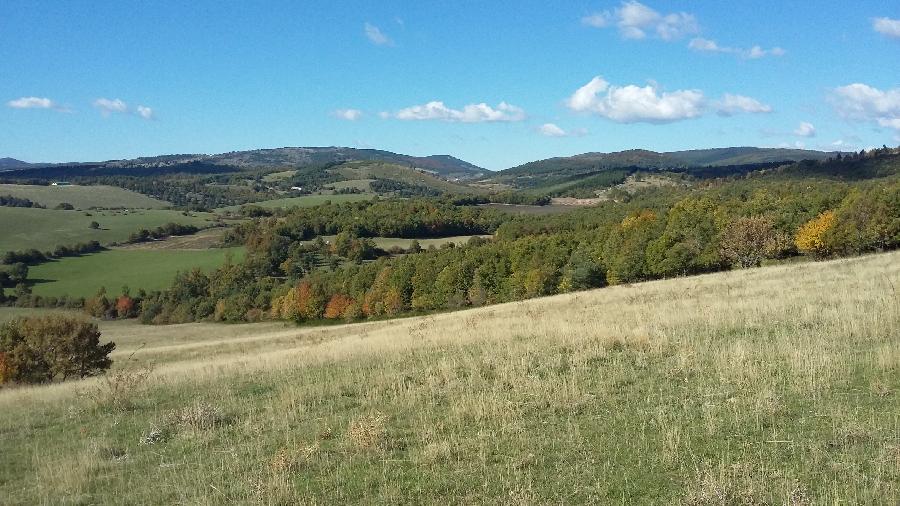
(811, 235)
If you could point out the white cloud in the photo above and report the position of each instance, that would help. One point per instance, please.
(862, 102)
(841, 145)
(472, 113)
(701, 44)
(145, 112)
(730, 105)
(597, 20)
(376, 35)
(553, 130)
(348, 114)
(887, 26)
(635, 21)
(31, 103)
(757, 52)
(632, 104)
(754, 53)
(107, 106)
(806, 129)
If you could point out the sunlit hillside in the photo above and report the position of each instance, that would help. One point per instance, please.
(778, 385)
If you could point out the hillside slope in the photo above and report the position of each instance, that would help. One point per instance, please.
(666, 160)
(279, 158)
(12, 163)
(569, 170)
(773, 385)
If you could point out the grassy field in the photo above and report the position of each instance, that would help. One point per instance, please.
(778, 385)
(371, 170)
(150, 269)
(305, 201)
(11, 313)
(83, 197)
(44, 229)
(359, 184)
(389, 242)
(278, 176)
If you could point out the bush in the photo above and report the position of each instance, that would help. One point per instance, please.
(50, 348)
(745, 242)
(811, 236)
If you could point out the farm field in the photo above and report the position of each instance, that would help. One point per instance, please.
(278, 176)
(44, 229)
(359, 184)
(150, 269)
(304, 201)
(777, 385)
(389, 242)
(83, 197)
(371, 170)
(202, 240)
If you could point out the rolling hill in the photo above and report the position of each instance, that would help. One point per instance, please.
(444, 166)
(12, 164)
(567, 171)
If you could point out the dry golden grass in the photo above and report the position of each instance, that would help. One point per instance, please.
(776, 385)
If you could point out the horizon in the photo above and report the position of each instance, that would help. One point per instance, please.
(418, 156)
(493, 87)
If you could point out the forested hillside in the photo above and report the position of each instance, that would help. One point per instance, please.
(812, 209)
(584, 175)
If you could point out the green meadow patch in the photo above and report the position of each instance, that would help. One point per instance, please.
(83, 197)
(305, 201)
(148, 269)
(44, 229)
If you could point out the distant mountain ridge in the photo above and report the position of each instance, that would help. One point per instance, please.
(12, 163)
(643, 158)
(445, 166)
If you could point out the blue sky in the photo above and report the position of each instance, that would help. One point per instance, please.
(494, 83)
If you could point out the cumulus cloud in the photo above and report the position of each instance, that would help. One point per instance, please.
(36, 103)
(31, 103)
(754, 53)
(145, 112)
(109, 106)
(806, 129)
(701, 44)
(757, 52)
(472, 113)
(729, 105)
(636, 21)
(348, 114)
(376, 36)
(861, 102)
(553, 130)
(887, 27)
(632, 104)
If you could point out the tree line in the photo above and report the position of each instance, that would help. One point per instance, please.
(660, 234)
(10, 201)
